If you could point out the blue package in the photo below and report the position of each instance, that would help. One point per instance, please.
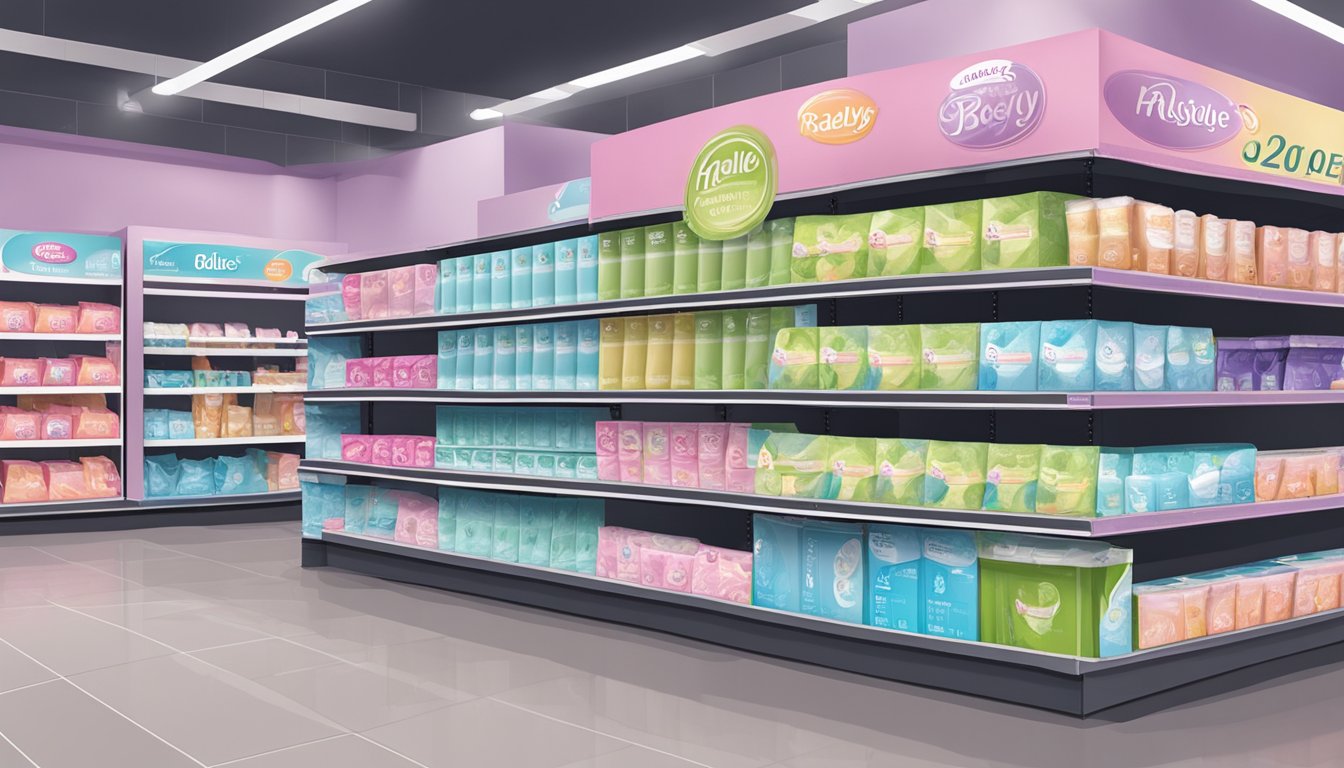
(563, 528)
(1205, 475)
(238, 475)
(1114, 361)
(950, 584)
(1236, 480)
(591, 516)
(1114, 466)
(483, 349)
(197, 477)
(161, 474)
(181, 427)
(893, 569)
(587, 360)
(501, 280)
(505, 373)
(587, 268)
(566, 272)
(1008, 356)
(1067, 348)
(1150, 357)
(382, 521)
(327, 356)
(156, 424)
(504, 533)
(1191, 357)
(448, 518)
(543, 356)
(466, 359)
(775, 579)
(1173, 490)
(447, 287)
(1140, 494)
(447, 361)
(565, 369)
(543, 275)
(522, 354)
(536, 515)
(316, 498)
(520, 276)
(465, 266)
(358, 500)
(481, 264)
(324, 425)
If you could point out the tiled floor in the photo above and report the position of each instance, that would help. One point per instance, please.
(210, 646)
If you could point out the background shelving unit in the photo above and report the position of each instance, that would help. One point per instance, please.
(1164, 544)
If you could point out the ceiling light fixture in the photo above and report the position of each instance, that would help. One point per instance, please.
(1306, 18)
(638, 67)
(256, 46)
(485, 114)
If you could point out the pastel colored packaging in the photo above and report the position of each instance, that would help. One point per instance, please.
(520, 278)
(522, 357)
(1113, 363)
(950, 356)
(1191, 359)
(1150, 357)
(611, 341)
(543, 275)
(373, 295)
(380, 372)
(535, 518)
(1242, 262)
(1067, 356)
(563, 532)
(1325, 268)
(350, 288)
(447, 291)
(1114, 466)
(504, 364)
(1185, 246)
(900, 471)
(1010, 477)
(465, 282)
(711, 453)
(829, 248)
(954, 475)
(475, 520)
(949, 584)
(1068, 480)
(842, 357)
(734, 275)
(758, 258)
(609, 266)
(446, 361)
(658, 358)
(566, 271)
(708, 350)
(635, 353)
(781, 250)
(630, 451)
(1152, 236)
(1213, 248)
(853, 467)
(724, 574)
(776, 578)
(894, 240)
(426, 289)
(632, 263)
(1080, 217)
(566, 368)
(481, 266)
(683, 351)
(506, 528)
(543, 357)
(1009, 356)
(734, 348)
(587, 361)
(1024, 231)
(833, 578)
(1114, 248)
(894, 355)
(684, 444)
(401, 292)
(792, 464)
(589, 519)
(709, 266)
(952, 238)
(483, 348)
(465, 369)
(55, 318)
(795, 362)
(1271, 250)
(657, 454)
(685, 258)
(1300, 260)
(893, 565)
(659, 263)
(586, 268)
(756, 351)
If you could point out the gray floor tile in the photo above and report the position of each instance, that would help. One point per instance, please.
(57, 726)
(340, 752)
(26, 557)
(17, 670)
(487, 734)
(70, 643)
(186, 625)
(632, 757)
(271, 557)
(181, 571)
(37, 585)
(11, 757)
(189, 702)
(113, 550)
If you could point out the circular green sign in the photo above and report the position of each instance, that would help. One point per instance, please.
(732, 184)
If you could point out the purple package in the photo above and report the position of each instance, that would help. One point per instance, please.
(1314, 362)
(350, 296)
(1236, 365)
(685, 442)
(382, 371)
(1271, 357)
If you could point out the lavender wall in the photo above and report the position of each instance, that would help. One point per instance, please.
(538, 155)
(1235, 36)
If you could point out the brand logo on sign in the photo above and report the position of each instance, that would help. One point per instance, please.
(993, 103)
(1172, 112)
(732, 184)
(53, 253)
(213, 262)
(837, 117)
(278, 270)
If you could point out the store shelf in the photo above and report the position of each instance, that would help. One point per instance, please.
(224, 352)
(87, 443)
(837, 510)
(23, 277)
(60, 390)
(106, 506)
(1051, 681)
(217, 500)
(102, 337)
(249, 440)
(170, 391)
(222, 340)
(920, 399)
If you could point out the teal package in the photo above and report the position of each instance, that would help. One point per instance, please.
(505, 429)
(543, 429)
(447, 287)
(1191, 354)
(566, 422)
(566, 366)
(501, 280)
(447, 518)
(776, 556)
(525, 463)
(1140, 494)
(520, 278)
(591, 516)
(566, 465)
(445, 457)
(522, 429)
(505, 360)
(326, 361)
(483, 427)
(447, 359)
(1173, 491)
(358, 499)
(543, 275)
(587, 268)
(535, 517)
(1150, 357)
(1113, 467)
(464, 267)
(543, 357)
(586, 469)
(1067, 349)
(464, 425)
(197, 477)
(482, 460)
(893, 568)
(445, 424)
(326, 423)
(586, 362)
(462, 458)
(833, 582)
(585, 427)
(475, 515)
(481, 264)
(1236, 479)
(522, 357)
(1008, 356)
(805, 316)
(1114, 361)
(562, 534)
(566, 272)
(483, 349)
(466, 360)
(382, 521)
(505, 530)
(950, 584)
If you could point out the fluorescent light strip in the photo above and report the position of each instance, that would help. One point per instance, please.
(256, 46)
(1297, 13)
(638, 67)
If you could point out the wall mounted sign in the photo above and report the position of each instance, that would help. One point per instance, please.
(732, 184)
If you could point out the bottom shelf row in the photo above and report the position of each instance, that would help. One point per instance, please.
(1055, 596)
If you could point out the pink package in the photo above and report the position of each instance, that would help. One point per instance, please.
(1250, 610)
(19, 371)
(268, 333)
(206, 330)
(96, 424)
(403, 451)
(415, 371)
(16, 317)
(417, 520)
(426, 288)
(1279, 595)
(57, 426)
(626, 543)
(98, 318)
(665, 570)
(630, 451)
(382, 372)
(95, 371)
(373, 295)
(350, 296)
(19, 425)
(610, 539)
(58, 372)
(713, 446)
(65, 480)
(100, 474)
(359, 372)
(237, 331)
(740, 480)
(685, 442)
(333, 524)
(738, 477)
(380, 450)
(657, 454)
(722, 573)
(422, 454)
(608, 435)
(56, 318)
(401, 292)
(1318, 586)
(356, 448)
(1222, 607)
(289, 470)
(23, 481)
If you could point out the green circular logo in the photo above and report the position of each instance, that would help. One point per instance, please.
(732, 184)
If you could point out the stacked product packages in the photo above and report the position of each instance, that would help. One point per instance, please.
(542, 356)
(1297, 474)
(1269, 363)
(28, 482)
(219, 416)
(256, 471)
(87, 317)
(674, 563)
(387, 293)
(712, 455)
(75, 370)
(1055, 355)
(217, 335)
(59, 417)
(545, 442)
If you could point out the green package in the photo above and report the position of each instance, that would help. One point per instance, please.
(535, 515)
(827, 248)
(1022, 231)
(709, 350)
(758, 258)
(734, 348)
(1055, 595)
(1010, 477)
(734, 274)
(951, 238)
(683, 351)
(781, 250)
(853, 466)
(658, 359)
(506, 528)
(1068, 484)
(951, 359)
(780, 318)
(894, 355)
(894, 240)
(709, 266)
(609, 266)
(756, 367)
(954, 475)
(793, 365)
(685, 258)
(610, 353)
(792, 464)
(900, 471)
(842, 357)
(658, 260)
(632, 263)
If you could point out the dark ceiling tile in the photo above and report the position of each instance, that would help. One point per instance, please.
(388, 139)
(813, 65)
(270, 120)
(348, 152)
(603, 117)
(409, 98)
(276, 76)
(180, 107)
(669, 101)
(442, 111)
(22, 15)
(747, 82)
(353, 133)
(66, 80)
(188, 30)
(362, 90)
(301, 150)
(112, 123)
(24, 110)
(258, 145)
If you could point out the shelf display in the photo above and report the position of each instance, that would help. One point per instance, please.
(255, 472)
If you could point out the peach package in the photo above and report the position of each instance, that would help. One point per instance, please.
(26, 482)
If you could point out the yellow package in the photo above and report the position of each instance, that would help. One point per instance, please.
(207, 413)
